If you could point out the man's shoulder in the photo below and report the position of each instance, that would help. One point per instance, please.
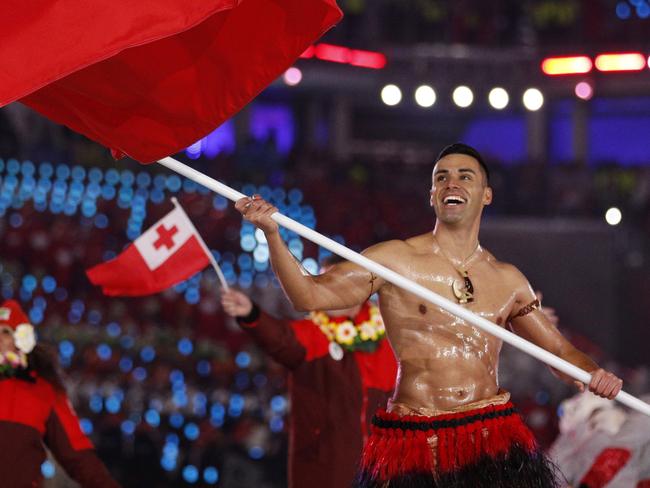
(508, 271)
(390, 247)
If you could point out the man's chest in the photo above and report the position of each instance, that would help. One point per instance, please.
(480, 289)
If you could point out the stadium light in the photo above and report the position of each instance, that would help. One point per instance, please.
(425, 96)
(567, 65)
(584, 90)
(391, 95)
(292, 76)
(613, 216)
(345, 55)
(533, 99)
(463, 96)
(498, 98)
(620, 62)
(367, 59)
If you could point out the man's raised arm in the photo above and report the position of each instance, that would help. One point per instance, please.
(343, 286)
(528, 321)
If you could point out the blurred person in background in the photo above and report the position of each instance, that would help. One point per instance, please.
(35, 410)
(602, 445)
(447, 389)
(341, 370)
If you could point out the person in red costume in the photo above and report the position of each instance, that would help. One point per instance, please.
(341, 370)
(34, 410)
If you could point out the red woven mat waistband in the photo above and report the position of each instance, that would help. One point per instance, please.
(389, 420)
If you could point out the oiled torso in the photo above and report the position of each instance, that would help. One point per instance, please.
(444, 362)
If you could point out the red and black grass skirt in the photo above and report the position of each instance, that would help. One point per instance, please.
(482, 447)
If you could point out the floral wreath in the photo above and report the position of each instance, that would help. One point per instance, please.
(351, 336)
(25, 341)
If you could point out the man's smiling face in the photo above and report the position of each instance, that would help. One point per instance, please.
(459, 189)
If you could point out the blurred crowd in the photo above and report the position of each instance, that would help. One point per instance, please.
(171, 392)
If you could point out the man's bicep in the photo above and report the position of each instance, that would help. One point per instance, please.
(527, 319)
(346, 284)
(525, 299)
(535, 327)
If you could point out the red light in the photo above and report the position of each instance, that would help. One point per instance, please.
(620, 62)
(335, 54)
(345, 55)
(309, 53)
(367, 59)
(567, 65)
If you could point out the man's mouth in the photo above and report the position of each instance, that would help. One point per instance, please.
(454, 200)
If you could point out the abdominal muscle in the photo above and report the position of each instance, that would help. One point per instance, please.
(444, 363)
(443, 385)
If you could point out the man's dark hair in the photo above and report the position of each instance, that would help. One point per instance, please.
(460, 148)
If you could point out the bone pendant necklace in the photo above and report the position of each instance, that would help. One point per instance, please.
(463, 290)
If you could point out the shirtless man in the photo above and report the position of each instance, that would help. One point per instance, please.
(448, 421)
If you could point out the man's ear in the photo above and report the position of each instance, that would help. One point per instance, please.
(487, 196)
(431, 197)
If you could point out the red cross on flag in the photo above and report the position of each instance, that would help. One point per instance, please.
(167, 253)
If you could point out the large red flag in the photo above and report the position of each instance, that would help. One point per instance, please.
(167, 253)
(148, 78)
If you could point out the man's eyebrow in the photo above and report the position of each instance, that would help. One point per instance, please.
(461, 170)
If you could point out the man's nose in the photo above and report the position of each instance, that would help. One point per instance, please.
(452, 183)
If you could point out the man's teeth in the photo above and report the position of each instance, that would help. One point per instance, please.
(451, 200)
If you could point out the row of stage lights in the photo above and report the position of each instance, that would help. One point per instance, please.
(463, 97)
(605, 63)
(532, 98)
(499, 98)
(425, 96)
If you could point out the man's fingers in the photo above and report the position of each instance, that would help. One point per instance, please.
(255, 208)
(242, 203)
(608, 391)
(246, 204)
(613, 386)
(596, 379)
(605, 384)
(270, 210)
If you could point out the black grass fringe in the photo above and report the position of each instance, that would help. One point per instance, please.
(518, 469)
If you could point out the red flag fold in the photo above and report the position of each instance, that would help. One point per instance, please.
(164, 255)
(151, 77)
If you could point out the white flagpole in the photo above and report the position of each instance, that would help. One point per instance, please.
(213, 261)
(408, 285)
